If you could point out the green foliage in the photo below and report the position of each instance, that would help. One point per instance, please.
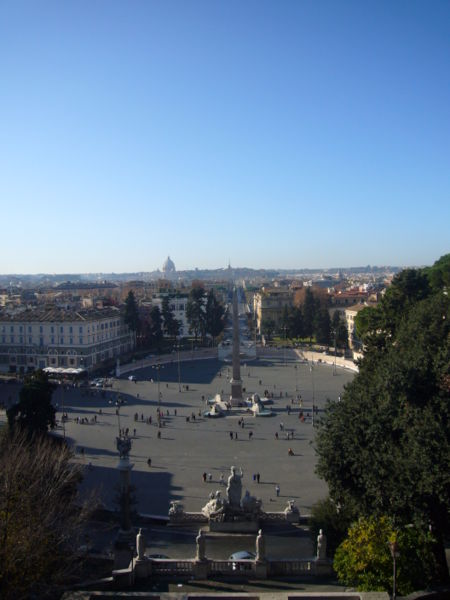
(340, 332)
(268, 328)
(309, 311)
(131, 314)
(195, 311)
(386, 445)
(334, 520)
(34, 413)
(155, 325)
(364, 558)
(322, 326)
(214, 315)
(171, 325)
(439, 274)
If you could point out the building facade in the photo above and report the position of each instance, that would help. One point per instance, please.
(40, 338)
(269, 304)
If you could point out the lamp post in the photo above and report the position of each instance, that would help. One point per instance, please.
(311, 368)
(118, 403)
(158, 367)
(177, 347)
(393, 547)
(334, 367)
(284, 346)
(296, 377)
(63, 417)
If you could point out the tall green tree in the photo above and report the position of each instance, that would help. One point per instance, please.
(386, 446)
(339, 330)
(195, 311)
(309, 313)
(34, 413)
(214, 315)
(297, 323)
(322, 326)
(171, 325)
(268, 328)
(131, 313)
(155, 325)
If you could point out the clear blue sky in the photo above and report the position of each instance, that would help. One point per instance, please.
(272, 134)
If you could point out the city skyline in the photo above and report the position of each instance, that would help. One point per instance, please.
(301, 135)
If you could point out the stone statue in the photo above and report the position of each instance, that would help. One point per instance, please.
(215, 506)
(250, 504)
(291, 512)
(123, 445)
(176, 511)
(260, 547)
(200, 540)
(321, 546)
(234, 488)
(140, 545)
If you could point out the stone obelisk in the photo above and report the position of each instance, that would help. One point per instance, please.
(236, 381)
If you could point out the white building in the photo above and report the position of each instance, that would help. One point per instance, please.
(36, 339)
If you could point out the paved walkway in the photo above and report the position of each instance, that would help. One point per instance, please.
(186, 450)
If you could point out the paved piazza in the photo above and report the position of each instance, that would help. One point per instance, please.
(186, 450)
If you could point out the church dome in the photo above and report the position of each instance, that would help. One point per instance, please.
(168, 266)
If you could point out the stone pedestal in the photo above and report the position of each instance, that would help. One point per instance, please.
(234, 526)
(200, 570)
(236, 392)
(142, 568)
(261, 569)
(322, 567)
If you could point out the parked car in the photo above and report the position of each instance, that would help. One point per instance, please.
(242, 555)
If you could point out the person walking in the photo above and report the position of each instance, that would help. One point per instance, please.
(258, 476)
(204, 477)
(277, 490)
(149, 462)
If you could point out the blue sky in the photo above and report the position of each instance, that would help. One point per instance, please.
(281, 134)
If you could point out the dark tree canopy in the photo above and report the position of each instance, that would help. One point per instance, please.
(131, 314)
(214, 315)
(171, 325)
(386, 445)
(155, 325)
(34, 413)
(195, 311)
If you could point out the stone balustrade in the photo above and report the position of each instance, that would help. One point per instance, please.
(203, 569)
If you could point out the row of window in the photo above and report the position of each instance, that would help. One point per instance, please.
(53, 328)
(53, 340)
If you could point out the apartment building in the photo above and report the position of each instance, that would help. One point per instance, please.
(269, 304)
(57, 337)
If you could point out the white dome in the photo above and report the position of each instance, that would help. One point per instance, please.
(168, 266)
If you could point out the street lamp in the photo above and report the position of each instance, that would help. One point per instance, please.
(393, 547)
(296, 377)
(158, 367)
(311, 368)
(334, 367)
(177, 348)
(118, 403)
(284, 346)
